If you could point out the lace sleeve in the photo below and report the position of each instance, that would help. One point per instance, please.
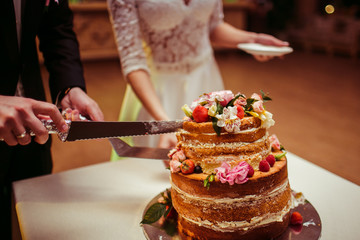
(217, 15)
(125, 22)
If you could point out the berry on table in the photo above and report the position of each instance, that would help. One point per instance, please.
(172, 213)
(296, 218)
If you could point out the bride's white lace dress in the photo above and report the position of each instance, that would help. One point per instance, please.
(170, 40)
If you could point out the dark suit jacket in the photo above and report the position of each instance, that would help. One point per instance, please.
(57, 42)
(60, 50)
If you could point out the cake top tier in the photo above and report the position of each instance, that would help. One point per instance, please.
(226, 109)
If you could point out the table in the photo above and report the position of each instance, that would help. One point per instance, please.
(106, 201)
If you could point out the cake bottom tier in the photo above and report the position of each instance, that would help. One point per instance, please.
(191, 231)
(257, 209)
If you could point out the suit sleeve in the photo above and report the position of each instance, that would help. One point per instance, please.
(60, 48)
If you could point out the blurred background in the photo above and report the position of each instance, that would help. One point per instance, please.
(315, 89)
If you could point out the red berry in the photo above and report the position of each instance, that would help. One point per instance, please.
(296, 218)
(264, 166)
(240, 111)
(250, 172)
(187, 167)
(200, 114)
(271, 160)
(172, 214)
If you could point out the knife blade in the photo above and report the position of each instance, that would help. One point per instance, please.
(125, 150)
(84, 130)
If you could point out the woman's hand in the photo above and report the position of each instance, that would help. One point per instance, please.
(167, 141)
(270, 40)
(225, 35)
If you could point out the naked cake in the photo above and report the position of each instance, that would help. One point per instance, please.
(228, 175)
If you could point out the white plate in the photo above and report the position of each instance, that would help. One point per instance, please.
(259, 49)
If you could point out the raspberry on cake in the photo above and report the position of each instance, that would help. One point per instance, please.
(237, 186)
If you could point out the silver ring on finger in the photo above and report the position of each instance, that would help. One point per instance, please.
(21, 135)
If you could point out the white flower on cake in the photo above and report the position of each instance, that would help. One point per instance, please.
(229, 120)
(212, 110)
(187, 110)
(266, 119)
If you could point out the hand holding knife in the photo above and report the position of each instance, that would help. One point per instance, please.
(85, 130)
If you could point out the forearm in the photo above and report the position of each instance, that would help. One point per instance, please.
(225, 35)
(60, 49)
(143, 88)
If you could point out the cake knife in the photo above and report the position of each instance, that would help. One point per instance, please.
(85, 130)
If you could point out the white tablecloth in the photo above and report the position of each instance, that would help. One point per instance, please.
(106, 201)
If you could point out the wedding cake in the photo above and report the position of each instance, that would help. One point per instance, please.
(228, 175)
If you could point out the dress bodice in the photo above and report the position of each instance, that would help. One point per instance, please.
(176, 32)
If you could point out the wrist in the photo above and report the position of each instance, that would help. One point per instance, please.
(61, 95)
(254, 37)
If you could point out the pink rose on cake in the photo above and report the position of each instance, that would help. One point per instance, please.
(224, 97)
(274, 142)
(258, 106)
(179, 155)
(241, 101)
(256, 97)
(236, 175)
(207, 100)
(175, 166)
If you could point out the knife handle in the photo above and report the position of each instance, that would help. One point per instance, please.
(51, 128)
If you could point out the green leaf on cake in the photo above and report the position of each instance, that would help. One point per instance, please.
(265, 97)
(210, 178)
(279, 156)
(216, 128)
(249, 102)
(154, 213)
(219, 107)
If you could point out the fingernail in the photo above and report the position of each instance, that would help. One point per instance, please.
(64, 127)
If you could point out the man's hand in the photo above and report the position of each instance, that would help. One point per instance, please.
(82, 104)
(19, 115)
